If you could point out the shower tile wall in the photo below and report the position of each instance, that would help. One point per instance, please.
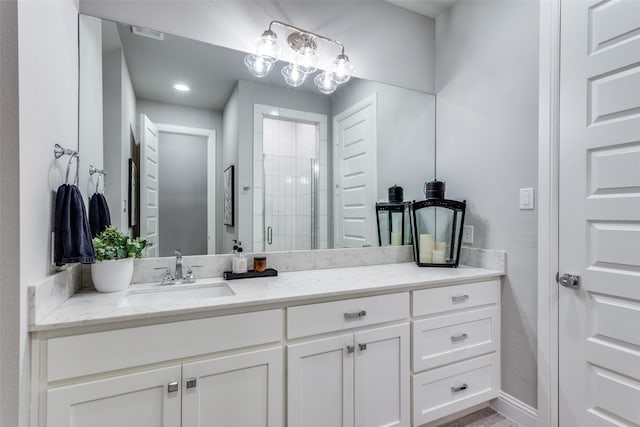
(288, 149)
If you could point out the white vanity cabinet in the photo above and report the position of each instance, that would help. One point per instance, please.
(128, 400)
(119, 377)
(456, 348)
(358, 378)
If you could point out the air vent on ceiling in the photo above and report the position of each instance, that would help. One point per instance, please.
(145, 32)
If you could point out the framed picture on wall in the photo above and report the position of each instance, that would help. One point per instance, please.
(133, 193)
(228, 196)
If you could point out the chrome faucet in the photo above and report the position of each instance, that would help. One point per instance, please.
(178, 275)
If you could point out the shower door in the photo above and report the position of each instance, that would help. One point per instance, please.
(290, 167)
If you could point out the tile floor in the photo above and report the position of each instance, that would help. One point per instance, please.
(486, 417)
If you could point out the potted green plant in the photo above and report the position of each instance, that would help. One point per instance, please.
(114, 253)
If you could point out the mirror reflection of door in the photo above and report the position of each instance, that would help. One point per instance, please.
(290, 166)
(176, 195)
(149, 185)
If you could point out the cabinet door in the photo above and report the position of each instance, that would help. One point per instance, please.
(132, 400)
(320, 383)
(382, 377)
(234, 391)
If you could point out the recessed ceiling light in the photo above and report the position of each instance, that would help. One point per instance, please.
(181, 87)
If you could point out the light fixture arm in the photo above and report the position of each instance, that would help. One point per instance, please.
(300, 30)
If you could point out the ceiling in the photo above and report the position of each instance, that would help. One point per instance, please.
(430, 8)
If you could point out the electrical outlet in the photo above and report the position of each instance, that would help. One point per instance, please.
(467, 234)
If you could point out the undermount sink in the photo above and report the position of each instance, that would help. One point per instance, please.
(176, 293)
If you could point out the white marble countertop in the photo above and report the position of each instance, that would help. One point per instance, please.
(92, 308)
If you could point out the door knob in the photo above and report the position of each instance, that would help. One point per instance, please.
(569, 280)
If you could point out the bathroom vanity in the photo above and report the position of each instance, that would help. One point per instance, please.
(392, 345)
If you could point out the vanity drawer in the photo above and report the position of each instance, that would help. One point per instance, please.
(450, 389)
(448, 298)
(332, 316)
(453, 337)
(91, 353)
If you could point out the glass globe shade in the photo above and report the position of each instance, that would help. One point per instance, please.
(294, 75)
(259, 66)
(326, 82)
(342, 69)
(267, 45)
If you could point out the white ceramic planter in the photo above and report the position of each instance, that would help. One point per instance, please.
(112, 275)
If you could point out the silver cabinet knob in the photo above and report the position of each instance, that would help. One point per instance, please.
(362, 347)
(351, 349)
(172, 386)
(192, 382)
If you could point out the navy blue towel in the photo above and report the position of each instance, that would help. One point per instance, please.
(72, 242)
(99, 215)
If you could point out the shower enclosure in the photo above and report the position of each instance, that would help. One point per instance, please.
(290, 153)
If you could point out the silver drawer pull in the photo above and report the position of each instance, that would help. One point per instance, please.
(192, 382)
(355, 315)
(351, 349)
(363, 347)
(459, 337)
(459, 298)
(172, 386)
(459, 388)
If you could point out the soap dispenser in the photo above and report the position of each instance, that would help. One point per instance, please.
(239, 263)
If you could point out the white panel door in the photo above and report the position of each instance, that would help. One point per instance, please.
(149, 185)
(355, 159)
(599, 333)
(320, 383)
(382, 377)
(235, 391)
(135, 400)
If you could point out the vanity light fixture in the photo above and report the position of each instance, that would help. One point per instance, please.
(181, 87)
(304, 47)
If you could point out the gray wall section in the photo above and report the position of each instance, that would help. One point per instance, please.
(487, 81)
(385, 42)
(405, 130)
(182, 199)
(10, 290)
(230, 140)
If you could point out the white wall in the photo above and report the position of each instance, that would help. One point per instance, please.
(179, 115)
(405, 131)
(48, 85)
(10, 289)
(90, 130)
(487, 88)
(385, 42)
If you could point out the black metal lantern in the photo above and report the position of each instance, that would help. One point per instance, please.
(437, 227)
(394, 226)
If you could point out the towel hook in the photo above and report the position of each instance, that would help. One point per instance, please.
(101, 174)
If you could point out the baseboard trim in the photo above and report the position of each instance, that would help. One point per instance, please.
(516, 410)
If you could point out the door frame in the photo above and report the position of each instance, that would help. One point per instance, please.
(210, 134)
(548, 212)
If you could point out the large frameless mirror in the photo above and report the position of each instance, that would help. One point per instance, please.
(199, 152)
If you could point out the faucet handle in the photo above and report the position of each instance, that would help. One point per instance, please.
(190, 268)
(167, 276)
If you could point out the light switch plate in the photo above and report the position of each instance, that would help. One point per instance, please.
(467, 234)
(527, 199)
